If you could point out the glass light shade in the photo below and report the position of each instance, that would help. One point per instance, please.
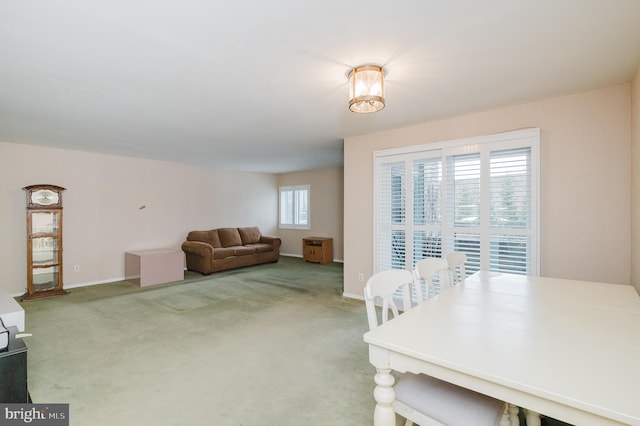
(366, 89)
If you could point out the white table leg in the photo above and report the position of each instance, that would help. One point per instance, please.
(504, 421)
(514, 420)
(533, 418)
(383, 415)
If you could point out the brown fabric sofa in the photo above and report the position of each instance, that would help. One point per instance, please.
(228, 248)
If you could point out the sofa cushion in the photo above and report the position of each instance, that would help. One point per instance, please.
(224, 252)
(261, 248)
(250, 235)
(244, 250)
(209, 237)
(229, 237)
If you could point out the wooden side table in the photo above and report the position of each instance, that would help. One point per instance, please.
(317, 250)
(155, 266)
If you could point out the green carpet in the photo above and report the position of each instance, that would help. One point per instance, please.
(273, 344)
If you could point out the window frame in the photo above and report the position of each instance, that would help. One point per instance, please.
(484, 146)
(296, 207)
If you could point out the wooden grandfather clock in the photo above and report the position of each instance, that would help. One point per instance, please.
(44, 241)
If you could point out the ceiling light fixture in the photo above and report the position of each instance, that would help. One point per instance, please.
(366, 88)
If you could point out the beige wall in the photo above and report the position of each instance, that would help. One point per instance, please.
(326, 209)
(102, 215)
(586, 177)
(635, 182)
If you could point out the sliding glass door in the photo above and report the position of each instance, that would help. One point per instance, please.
(478, 196)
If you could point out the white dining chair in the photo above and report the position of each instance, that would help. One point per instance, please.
(427, 270)
(456, 261)
(383, 287)
(419, 398)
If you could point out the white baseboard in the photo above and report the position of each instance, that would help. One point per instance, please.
(353, 296)
(90, 283)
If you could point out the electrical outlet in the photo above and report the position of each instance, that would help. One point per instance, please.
(360, 276)
(76, 268)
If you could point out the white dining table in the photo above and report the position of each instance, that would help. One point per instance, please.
(561, 348)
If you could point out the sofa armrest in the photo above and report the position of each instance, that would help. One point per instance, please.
(274, 241)
(198, 248)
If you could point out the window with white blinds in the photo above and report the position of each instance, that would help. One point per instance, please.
(478, 196)
(294, 207)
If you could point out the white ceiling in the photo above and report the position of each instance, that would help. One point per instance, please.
(262, 86)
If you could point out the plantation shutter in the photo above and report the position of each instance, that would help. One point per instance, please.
(391, 217)
(427, 208)
(510, 204)
(302, 206)
(463, 209)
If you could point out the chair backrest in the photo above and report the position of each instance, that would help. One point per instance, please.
(427, 269)
(384, 285)
(456, 262)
